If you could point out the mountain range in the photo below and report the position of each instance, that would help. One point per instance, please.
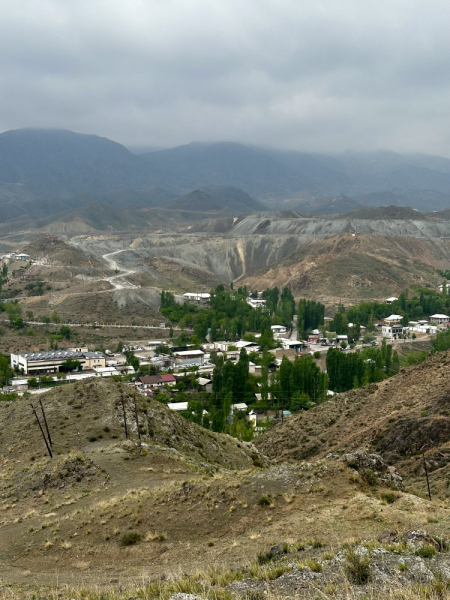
(44, 173)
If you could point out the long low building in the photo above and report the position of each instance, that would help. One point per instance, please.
(49, 362)
(189, 357)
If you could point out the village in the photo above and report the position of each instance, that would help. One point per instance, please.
(161, 368)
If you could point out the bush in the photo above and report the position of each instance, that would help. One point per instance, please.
(130, 538)
(317, 354)
(426, 551)
(390, 497)
(264, 501)
(264, 558)
(370, 477)
(357, 567)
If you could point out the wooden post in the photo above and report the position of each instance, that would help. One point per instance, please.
(426, 475)
(46, 426)
(42, 431)
(136, 416)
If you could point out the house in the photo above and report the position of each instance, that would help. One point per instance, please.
(441, 287)
(205, 383)
(168, 379)
(277, 329)
(296, 345)
(391, 300)
(244, 344)
(44, 362)
(313, 338)
(439, 319)
(341, 338)
(391, 331)
(238, 407)
(256, 302)
(149, 381)
(23, 257)
(198, 298)
(254, 369)
(392, 319)
(189, 357)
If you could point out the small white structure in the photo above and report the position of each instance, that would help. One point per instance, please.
(202, 298)
(23, 257)
(392, 319)
(391, 331)
(277, 329)
(439, 319)
(391, 300)
(341, 338)
(296, 345)
(177, 406)
(256, 302)
(244, 344)
(441, 287)
(240, 406)
(189, 357)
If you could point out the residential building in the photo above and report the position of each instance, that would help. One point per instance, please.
(256, 302)
(168, 379)
(391, 331)
(45, 362)
(277, 329)
(391, 300)
(189, 357)
(439, 319)
(198, 298)
(392, 319)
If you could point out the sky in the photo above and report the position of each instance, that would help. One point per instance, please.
(323, 75)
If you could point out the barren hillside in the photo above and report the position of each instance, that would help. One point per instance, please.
(400, 418)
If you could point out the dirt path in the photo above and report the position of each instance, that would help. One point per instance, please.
(113, 265)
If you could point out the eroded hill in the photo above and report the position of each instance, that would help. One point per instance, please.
(400, 418)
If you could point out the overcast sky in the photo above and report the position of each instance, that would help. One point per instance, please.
(322, 75)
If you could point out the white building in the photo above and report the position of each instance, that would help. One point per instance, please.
(177, 406)
(202, 298)
(189, 357)
(392, 319)
(256, 302)
(391, 300)
(391, 331)
(277, 329)
(439, 319)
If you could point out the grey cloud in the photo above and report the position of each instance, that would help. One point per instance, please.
(313, 76)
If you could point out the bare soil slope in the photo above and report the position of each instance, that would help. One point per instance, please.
(355, 267)
(400, 418)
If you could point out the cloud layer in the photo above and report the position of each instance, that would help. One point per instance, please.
(318, 76)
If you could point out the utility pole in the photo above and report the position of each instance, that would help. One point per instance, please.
(45, 421)
(42, 431)
(426, 475)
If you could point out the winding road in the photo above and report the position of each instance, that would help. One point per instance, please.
(116, 267)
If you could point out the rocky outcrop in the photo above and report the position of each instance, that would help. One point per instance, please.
(363, 462)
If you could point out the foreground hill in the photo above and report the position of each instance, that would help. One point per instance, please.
(185, 510)
(399, 418)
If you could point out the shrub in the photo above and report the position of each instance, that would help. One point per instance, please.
(315, 566)
(403, 567)
(357, 567)
(426, 551)
(370, 477)
(317, 354)
(264, 558)
(130, 538)
(390, 497)
(264, 501)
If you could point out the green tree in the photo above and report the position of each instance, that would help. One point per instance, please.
(300, 401)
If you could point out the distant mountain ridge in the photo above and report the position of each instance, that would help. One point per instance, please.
(47, 172)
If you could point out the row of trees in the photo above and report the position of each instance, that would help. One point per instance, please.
(355, 369)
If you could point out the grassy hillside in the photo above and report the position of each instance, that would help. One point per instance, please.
(188, 499)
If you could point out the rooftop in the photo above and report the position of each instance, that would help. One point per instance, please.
(59, 355)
